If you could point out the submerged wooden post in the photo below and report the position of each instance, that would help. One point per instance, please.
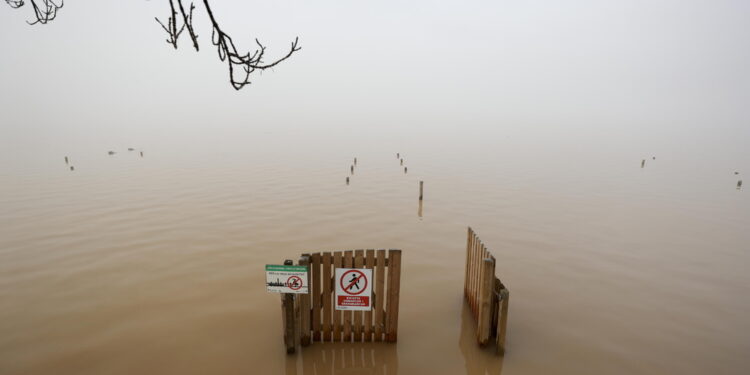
(304, 305)
(370, 264)
(502, 320)
(348, 314)
(485, 300)
(327, 296)
(421, 189)
(739, 184)
(315, 290)
(469, 241)
(359, 262)
(337, 316)
(66, 160)
(402, 161)
(394, 286)
(379, 296)
(287, 308)
(643, 163)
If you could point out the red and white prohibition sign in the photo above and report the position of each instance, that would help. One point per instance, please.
(294, 282)
(353, 289)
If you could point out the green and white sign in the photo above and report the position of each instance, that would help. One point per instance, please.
(286, 279)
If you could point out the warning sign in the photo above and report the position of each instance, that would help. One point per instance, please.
(353, 289)
(286, 279)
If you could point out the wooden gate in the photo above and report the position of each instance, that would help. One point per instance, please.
(314, 317)
(486, 295)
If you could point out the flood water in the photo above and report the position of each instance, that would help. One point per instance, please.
(154, 264)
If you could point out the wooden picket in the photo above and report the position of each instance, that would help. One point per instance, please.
(304, 305)
(316, 318)
(486, 295)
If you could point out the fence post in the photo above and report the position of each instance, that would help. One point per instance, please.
(359, 262)
(369, 264)
(287, 308)
(327, 298)
(315, 291)
(348, 263)
(394, 285)
(379, 295)
(503, 320)
(337, 317)
(304, 305)
(485, 299)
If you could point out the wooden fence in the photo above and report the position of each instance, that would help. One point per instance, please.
(486, 295)
(314, 317)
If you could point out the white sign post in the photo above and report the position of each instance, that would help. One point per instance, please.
(286, 279)
(353, 289)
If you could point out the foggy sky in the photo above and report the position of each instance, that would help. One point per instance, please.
(103, 73)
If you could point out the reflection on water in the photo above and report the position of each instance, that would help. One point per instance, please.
(478, 360)
(344, 359)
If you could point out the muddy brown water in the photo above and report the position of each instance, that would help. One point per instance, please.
(155, 265)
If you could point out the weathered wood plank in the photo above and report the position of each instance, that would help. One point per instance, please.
(337, 321)
(502, 325)
(327, 296)
(379, 295)
(470, 286)
(315, 273)
(480, 279)
(287, 309)
(359, 262)
(394, 285)
(370, 264)
(466, 266)
(496, 288)
(304, 306)
(485, 308)
(475, 279)
(348, 263)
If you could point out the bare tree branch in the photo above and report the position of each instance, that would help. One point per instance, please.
(15, 4)
(247, 62)
(241, 66)
(45, 12)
